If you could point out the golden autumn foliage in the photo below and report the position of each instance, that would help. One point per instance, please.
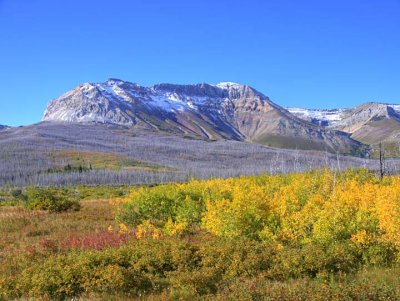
(318, 235)
(318, 207)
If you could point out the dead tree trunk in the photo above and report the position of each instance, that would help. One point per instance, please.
(381, 161)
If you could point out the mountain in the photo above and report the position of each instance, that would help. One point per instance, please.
(370, 123)
(223, 111)
(3, 127)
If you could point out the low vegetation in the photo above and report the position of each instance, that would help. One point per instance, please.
(88, 160)
(53, 200)
(318, 235)
(29, 195)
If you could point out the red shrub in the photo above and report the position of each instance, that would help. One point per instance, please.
(96, 241)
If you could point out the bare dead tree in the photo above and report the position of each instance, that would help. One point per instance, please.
(326, 158)
(296, 160)
(338, 160)
(34, 156)
(382, 169)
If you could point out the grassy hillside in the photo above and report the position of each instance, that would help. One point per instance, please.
(311, 236)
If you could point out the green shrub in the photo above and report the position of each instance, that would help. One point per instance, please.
(129, 270)
(50, 199)
(159, 204)
(211, 268)
(18, 195)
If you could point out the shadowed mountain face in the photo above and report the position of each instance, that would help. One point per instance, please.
(223, 111)
(3, 127)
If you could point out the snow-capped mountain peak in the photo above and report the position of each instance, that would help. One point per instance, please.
(226, 110)
(228, 85)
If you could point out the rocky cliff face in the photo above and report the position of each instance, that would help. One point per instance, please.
(222, 111)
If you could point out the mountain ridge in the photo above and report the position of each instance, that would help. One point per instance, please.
(371, 123)
(222, 111)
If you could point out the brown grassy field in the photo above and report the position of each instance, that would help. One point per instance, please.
(24, 230)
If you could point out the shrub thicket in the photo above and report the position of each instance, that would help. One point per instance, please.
(50, 199)
(311, 236)
(319, 209)
(238, 269)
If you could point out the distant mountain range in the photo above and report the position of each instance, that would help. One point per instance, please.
(3, 127)
(223, 111)
(370, 123)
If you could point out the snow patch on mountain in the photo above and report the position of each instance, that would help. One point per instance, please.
(341, 118)
(396, 108)
(228, 85)
(319, 117)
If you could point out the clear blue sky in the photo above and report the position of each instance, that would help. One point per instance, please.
(300, 53)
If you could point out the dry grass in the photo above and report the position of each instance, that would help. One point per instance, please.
(100, 160)
(22, 229)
